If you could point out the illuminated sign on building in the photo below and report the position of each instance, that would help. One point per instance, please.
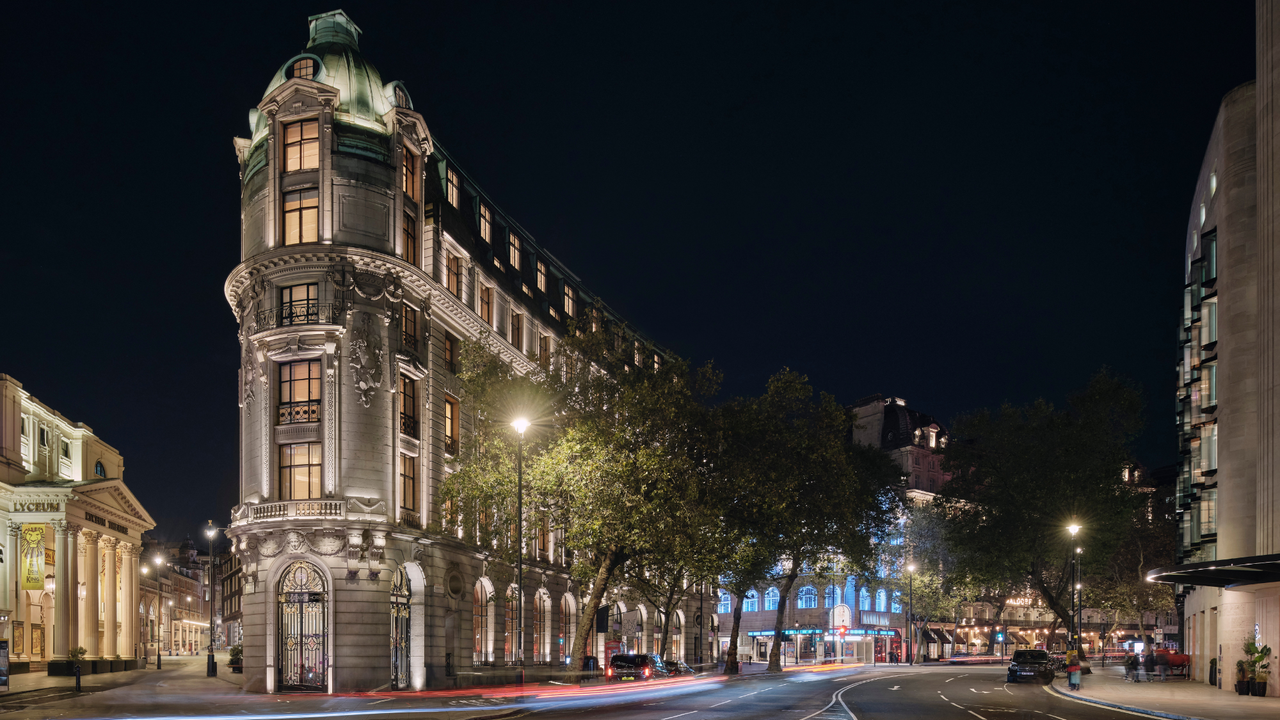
(32, 553)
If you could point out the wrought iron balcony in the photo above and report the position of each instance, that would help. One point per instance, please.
(307, 312)
(410, 518)
(408, 425)
(409, 340)
(451, 445)
(299, 412)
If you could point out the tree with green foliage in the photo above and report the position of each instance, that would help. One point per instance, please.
(1021, 475)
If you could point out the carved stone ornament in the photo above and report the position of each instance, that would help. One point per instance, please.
(365, 358)
(297, 542)
(241, 512)
(368, 506)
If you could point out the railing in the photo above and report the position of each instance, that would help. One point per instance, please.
(299, 412)
(409, 340)
(307, 312)
(410, 518)
(408, 425)
(451, 445)
(298, 508)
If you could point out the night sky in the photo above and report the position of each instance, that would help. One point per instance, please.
(956, 205)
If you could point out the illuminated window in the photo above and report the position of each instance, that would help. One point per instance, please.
(299, 392)
(302, 145)
(402, 98)
(808, 598)
(542, 276)
(451, 426)
(486, 305)
(409, 327)
(451, 188)
(864, 599)
(513, 250)
(408, 482)
(99, 470)
(300, 471)
(480, 606)
(724, 603)
(771, 599)
(304, 68)
(300, 304)
(409, 173)
(544, 350)
(544, 537)
(301, 217)
(896, 606)
(453, 274)
(517, 331)
(831, 596)
(451, 353)
(486, 222)
(882, 601)
(570, 301)
(1213, 183)
(410, 236)
(65, 448)
(408, 406)
(751, 601)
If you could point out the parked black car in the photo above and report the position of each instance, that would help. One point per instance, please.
(677, 667)
(635, 666)
(1030, 665)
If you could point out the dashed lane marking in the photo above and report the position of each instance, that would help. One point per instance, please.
(959, 706)
(976, 715)
(722, 703)
(944, 697)
(673, 717)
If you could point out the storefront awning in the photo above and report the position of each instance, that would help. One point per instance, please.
(942, 635)
(1225, 573)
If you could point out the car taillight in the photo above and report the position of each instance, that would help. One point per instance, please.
(648, 671)
(608, 672)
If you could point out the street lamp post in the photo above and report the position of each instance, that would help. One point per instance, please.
(210, 532)
(1075, 591)
(520, 424)
(158, 561)
(911, 614)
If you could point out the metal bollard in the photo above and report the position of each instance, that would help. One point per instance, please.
(77, 678)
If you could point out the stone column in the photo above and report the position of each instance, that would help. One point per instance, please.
(110, 596)
(129, 595)
(73, 584)
(15, 586)
(61, 592)
(46, 619)
(91, 594)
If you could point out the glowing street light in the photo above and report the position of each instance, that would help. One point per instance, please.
(520, 424)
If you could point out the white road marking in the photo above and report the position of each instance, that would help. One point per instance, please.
(984, 692)
(680, 715)
(1082, 702)
(380, 701)
(959, 706)
(976, 715)
(950, 679)
(944, 697)
(1055, 717)
(748, 694)
(722, 703)
(895, 687)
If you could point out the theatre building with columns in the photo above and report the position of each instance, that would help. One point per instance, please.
(367, 255)
(70, 570)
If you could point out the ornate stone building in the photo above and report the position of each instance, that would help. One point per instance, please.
(367, 253)
(71, 575)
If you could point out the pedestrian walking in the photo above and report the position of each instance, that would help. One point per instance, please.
(1073, 670)
(1130, 667)
(1162, 666)
(1149, 665)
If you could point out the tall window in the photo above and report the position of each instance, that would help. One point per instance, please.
(409, 231)
(409, 173)
(724, 604)
(299, 392)
(831, 596)
(517, 331)
(300, 471)
(542, 276)
(409, 327)
(513, 250)
(300, 304)
(544, 538)
(453, 274)
(539, 626)
(486, 305)
(896, 605)
(509, 625)
(65, 447)
(808, 598)
(408, 406)
(544, 350)
(864, 599)
(99, 470)
(409, 482)
(882, 601)
(570, 301)
(1209, 328)
(486, 222)
(771, 599)
(480, 625)
(302, 145)
(451, 426)
(451, 353)
(304, 68)
(751, 601)
(451, 187)
(301, 217)
(1209, 511)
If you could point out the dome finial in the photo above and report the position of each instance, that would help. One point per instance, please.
(335, 26)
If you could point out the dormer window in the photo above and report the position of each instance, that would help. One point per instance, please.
(304, 68)
(452, 189)
(99, 470)
(514, 250)
(402, 98)
(486, 222)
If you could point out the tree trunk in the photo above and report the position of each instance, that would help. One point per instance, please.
(784, 594)
(1061, 610)
(731, 655)
(586, 622)
(664, 652)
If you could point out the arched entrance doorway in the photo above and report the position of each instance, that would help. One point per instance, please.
(304, 629)
(400, 624)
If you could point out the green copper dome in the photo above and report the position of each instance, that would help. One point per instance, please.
(335, 42)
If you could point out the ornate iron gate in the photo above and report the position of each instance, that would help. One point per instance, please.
(400, 629)
(304, 628)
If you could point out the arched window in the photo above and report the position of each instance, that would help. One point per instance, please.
(751, 601)
(831, 596)
(771, 599)
(99, 470)
(864, 600)
(566, 628)
(509, 625)
(882, 600)
(897, 601)
(481, 607)
(400, 628)
(725, 604)
(808, 598)
(304, 68)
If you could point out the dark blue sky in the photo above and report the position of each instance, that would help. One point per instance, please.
(955, 205)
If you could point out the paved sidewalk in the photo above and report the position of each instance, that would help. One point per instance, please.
(1177, 698)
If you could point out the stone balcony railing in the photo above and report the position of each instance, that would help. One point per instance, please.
(297, 509)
